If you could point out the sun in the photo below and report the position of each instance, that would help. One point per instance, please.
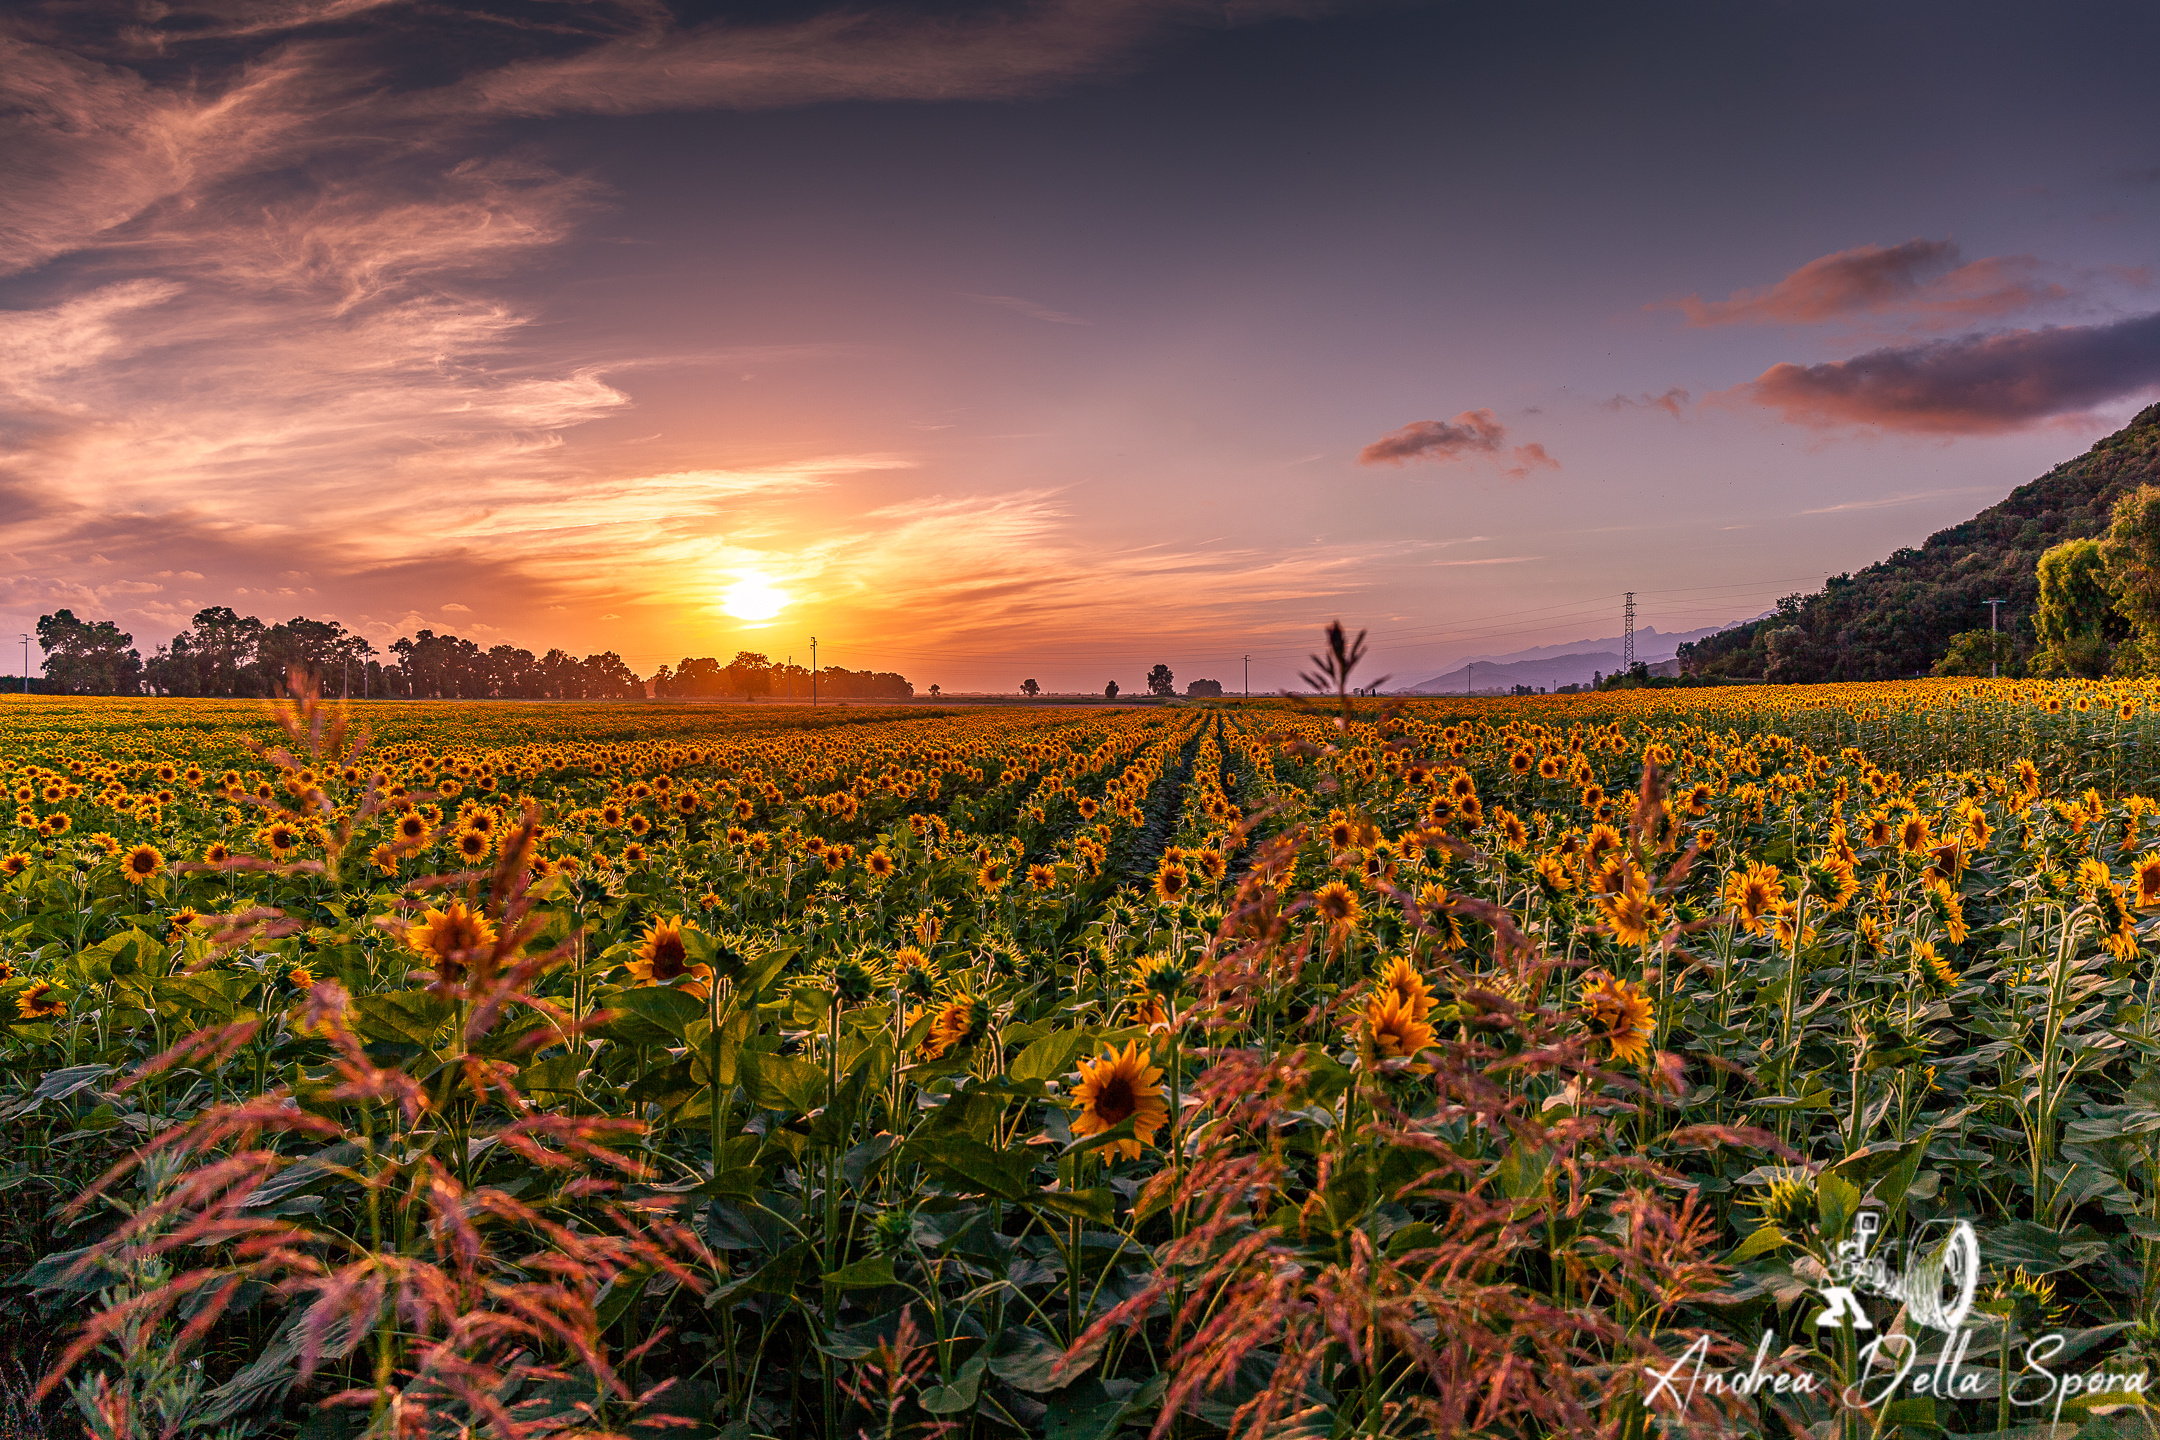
(754, 598)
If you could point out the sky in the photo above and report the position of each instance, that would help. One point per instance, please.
(998, 341)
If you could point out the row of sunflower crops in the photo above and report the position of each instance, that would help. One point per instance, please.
(1518, 1067)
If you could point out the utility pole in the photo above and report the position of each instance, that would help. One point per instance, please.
(813, 671)
(26, 664)
(1994, 628)
(1627, 641)
(1248, 677)
(1468, 666)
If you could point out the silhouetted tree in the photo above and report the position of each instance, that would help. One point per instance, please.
(1204, 689)
(1109, 691)
(88, 657)
(1030, 689)
(1161, 682)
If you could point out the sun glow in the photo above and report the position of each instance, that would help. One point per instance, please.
(753, 598)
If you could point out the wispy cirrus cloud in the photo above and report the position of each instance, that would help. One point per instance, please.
(1469, 435)
(1672, 402)
(1979, 384)
(1028, 308)
(267, 256)
(1925, 282)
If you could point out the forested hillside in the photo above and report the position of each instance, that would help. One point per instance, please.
(1897, 616)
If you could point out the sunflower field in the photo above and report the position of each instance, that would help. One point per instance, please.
(1273, 1068)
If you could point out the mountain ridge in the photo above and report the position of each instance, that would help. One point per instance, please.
(1896, 617)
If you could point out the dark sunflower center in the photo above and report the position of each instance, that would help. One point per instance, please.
(1115, 1100)
(669, 959)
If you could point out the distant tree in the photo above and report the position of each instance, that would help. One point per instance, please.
(2076, 619)
(1161, 682)
(1204, 689)
(749, 675)
(608, 678)
(1030, 689)
(1976, 652)
(1109, 691)
(2131, 554)
(935, 692)
(86, 657)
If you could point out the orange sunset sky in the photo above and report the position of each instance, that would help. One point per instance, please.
(988, 341)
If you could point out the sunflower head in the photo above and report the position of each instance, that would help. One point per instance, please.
(1391, 1029)
(1117, 1086)
(41, 1001)
(1337, 904)
(1788, 1202)
(454, 940)
(1618, 1012)
(1162, 976)
(1409, 986)
(960, 1022)
(663, 957)
(853, 982)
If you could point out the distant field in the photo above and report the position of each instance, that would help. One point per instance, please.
(1254, 1054)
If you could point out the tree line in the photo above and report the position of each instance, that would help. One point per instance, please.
(751, 676)
(223, 653)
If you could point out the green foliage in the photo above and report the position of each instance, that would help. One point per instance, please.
(2131, 554)
(1979, 652)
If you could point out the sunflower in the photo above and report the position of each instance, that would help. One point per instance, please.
(1871, 934)
(1924, 954)
(1635, 918)
(13, 863)
(183, 920)
(1549, 768)
(959, 1023)
(105, 843)
(879, 864)
(1338, 904)
(633, 854)
(1913, 836)
(41, 1001)
(450, 938)
(1171, 881)
(1619, 1014)
(663, 957)
(143, 864)
(1755, 895)
(1041, 877)
(1949, 910)
(992, 874)
(300, 977)
(472, 846)
(2148, 882)
(411, 828)
(282, 839)
(215, 854)
(1391, 1030)
(913, 975)
(1403, 978)
(1117, 1086)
